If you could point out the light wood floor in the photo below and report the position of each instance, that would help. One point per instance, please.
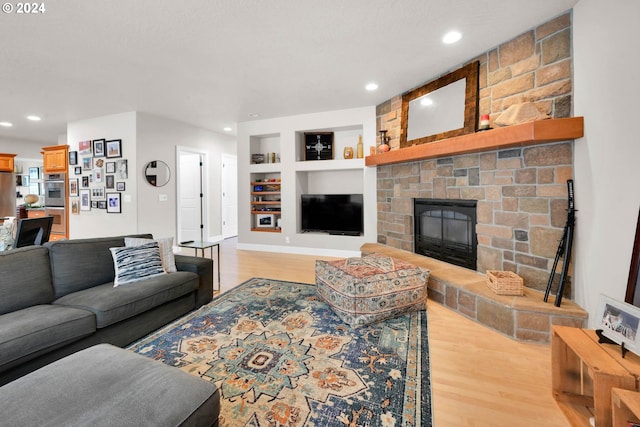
(479, 377)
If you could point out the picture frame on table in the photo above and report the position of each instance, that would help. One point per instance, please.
(619, 322)
(73, 187)
(98, 148)
(114, 203)
(84, 148)
(265, 221)
(73, 158)
(113, 148)
(85, 200)
(34, 173)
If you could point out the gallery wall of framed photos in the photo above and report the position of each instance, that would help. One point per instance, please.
(97, 176)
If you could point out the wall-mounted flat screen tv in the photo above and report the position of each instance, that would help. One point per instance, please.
(333, 213)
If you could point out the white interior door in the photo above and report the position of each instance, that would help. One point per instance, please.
(229, 195)
(190, 196)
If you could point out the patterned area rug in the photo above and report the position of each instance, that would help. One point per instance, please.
(281, 357)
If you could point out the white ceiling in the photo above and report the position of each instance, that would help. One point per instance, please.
(211, 63)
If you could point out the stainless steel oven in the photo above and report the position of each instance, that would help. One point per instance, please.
(55, 191)
(59, 225)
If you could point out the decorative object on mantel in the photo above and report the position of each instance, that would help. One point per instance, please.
(484, 122)
(383, 147)
(520, 113)
(443, 108)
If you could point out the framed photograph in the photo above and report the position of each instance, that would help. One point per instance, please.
(111, 167)
(25, 180)
(87, 163)
(120, 186)
(34, 188)
(77, 170)
(73, 187)
(97, 175)
(122, 169)
(110, 182)
(113, 203)
(34, 173)
(85, 181)
(18, 180)
(97, 193)
(73, 158)
(265, 221)
(619, 322)
(318, 146)
(102, 204)
(85, 200)
(94, 204)
(75, 206)
(114, 148)
(98, 148)
(84, 148)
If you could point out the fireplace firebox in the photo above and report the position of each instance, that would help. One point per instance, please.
(446, 230)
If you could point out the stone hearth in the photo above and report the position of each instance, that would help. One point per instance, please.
(523, 318)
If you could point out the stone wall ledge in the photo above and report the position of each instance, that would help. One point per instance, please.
(532, 133)
(523, 318)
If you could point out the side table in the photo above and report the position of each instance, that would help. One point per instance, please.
(199, 244)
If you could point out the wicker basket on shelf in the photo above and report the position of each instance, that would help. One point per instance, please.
(505, 282)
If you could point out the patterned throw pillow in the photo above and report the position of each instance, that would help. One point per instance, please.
(166, 250)
(135, 263)
(371, 288)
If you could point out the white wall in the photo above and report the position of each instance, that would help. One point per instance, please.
(22, 149)
(157, 139)
(97, 222)
(607, 172)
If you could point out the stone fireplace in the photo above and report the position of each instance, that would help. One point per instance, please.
(521, 199)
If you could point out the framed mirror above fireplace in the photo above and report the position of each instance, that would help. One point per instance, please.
(443, 108)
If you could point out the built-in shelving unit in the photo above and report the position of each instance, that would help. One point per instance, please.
(285, 137)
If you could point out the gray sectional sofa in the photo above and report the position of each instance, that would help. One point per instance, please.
(59, 298)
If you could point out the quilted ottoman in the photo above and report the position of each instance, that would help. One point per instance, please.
(372, 288)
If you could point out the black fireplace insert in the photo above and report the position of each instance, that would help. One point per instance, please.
(446, 230)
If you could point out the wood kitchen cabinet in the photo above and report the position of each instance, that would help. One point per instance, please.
(55, 158)
(6, 162)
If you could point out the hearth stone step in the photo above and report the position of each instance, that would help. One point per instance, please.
(523, 318)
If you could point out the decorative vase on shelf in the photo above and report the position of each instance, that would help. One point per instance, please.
(348, 152)
(360, 148)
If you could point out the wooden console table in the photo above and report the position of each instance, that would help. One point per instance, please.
(584, 373)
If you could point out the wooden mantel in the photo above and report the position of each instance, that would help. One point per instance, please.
(532, 133)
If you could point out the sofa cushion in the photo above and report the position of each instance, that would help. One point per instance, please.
(26, 333)
(79, 264)
(26, 278)
(166, 250)
(111, 305)
(108, 386)
(135, 263)
(372, 288)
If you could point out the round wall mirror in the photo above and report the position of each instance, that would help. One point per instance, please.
(157, 173)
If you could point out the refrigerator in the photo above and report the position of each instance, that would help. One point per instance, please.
(7, 194)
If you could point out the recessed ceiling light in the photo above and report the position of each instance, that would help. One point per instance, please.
(254, 115)
(451, 37)
(371, 86)
(227, 129)
(34, 118)
(6, 124)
